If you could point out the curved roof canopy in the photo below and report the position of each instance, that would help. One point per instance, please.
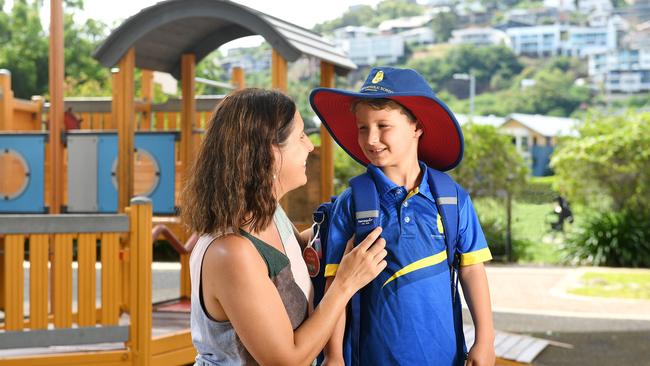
(163, 32)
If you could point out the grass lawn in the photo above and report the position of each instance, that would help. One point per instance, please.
(530, 230)
(529, 225)
(631, 285)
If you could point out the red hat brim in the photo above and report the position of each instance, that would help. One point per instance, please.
(440, 146)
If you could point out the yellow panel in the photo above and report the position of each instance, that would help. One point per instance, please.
(165, 343)
(62, 281)
(86, 258)
(184, 356)
(109, 358)
(110, 279)
(38, 284)
(14, 281)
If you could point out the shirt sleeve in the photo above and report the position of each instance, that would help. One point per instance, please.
(471, 244)
(340, 230)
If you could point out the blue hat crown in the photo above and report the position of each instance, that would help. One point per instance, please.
(390, 80)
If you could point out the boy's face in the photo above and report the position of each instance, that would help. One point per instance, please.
(387, 137)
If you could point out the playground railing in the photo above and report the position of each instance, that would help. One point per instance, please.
(123, 242)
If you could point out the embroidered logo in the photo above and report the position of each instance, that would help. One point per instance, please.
(379, 76)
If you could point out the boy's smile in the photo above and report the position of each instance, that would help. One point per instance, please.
(387, 137)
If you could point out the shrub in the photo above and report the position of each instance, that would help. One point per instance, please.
(616, 239)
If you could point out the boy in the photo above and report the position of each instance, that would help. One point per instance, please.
(410, 314)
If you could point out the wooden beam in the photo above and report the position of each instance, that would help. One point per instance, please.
(326, 141)
(279, 72)
(140, 287)
(188, 112)
(125, 130)
(146, 93)
(238, 77)
(56, 73)
(6, 100)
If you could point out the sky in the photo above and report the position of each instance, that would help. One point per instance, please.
(305, 13)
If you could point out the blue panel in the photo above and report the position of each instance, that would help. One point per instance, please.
(161, 147)
(107, 155)
(31, 147)
(541, 158)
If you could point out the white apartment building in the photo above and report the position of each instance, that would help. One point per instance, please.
(479, 37)
(557, 39)
(621, 70)
(368, 49)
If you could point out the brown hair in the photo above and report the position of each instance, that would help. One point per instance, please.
(382, 103)
(231, 182)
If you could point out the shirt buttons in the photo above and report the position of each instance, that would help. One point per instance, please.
(405, 204)
(407, 219)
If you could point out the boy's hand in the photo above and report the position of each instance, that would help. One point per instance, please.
(481, 355)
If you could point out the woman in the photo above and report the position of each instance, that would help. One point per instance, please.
(250, 287)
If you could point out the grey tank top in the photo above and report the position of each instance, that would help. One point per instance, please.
(217, 342)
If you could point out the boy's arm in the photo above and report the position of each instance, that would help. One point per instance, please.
(477, 295)
(334, 347)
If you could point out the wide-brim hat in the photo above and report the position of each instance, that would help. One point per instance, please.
(441, 144)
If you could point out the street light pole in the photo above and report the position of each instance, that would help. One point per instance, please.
(472, 90)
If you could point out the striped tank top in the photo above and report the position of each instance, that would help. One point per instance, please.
(217, 342)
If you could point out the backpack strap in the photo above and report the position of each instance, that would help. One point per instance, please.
(366, 212)
(366, 205)
(445, 192)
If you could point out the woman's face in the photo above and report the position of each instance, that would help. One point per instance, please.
(291, 159)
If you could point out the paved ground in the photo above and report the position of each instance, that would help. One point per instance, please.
(590, 331)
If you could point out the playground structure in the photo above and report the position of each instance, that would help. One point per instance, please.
(61, 174)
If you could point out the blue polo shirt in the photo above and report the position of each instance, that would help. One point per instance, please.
(407, 317)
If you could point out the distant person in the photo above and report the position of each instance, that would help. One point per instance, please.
(250, 286)
(410, 314)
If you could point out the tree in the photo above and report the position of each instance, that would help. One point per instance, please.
(25, 49)
(491, 165)
(609, 163)
(443, 23)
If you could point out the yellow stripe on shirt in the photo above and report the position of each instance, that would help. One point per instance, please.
(478, 256)
(330, 270)
(422, 263)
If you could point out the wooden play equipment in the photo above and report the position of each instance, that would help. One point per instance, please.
(125, 328)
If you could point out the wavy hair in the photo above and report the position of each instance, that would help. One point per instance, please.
(231, 182)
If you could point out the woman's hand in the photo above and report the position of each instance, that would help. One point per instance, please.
(363, 263)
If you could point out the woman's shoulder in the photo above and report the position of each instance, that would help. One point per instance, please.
(232, 251)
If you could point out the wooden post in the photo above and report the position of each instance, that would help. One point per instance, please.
(124, 112)
(56, 71)
(38, 280)
(12, 286)
(279, 81)
(140, 272)
(116, 89)
(327, 143)
(278, 72)
(188, 113)
(6, 100)
(147, 97)
(62, 280)
(238, 78)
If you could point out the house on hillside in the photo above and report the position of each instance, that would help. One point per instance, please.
(535, 137)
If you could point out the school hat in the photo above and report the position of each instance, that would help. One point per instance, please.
(441, 144)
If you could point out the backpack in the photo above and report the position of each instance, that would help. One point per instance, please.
(366, 204)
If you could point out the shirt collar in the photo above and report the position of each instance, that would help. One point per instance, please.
(387, 189)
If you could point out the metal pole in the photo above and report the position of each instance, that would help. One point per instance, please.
(472, 92)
